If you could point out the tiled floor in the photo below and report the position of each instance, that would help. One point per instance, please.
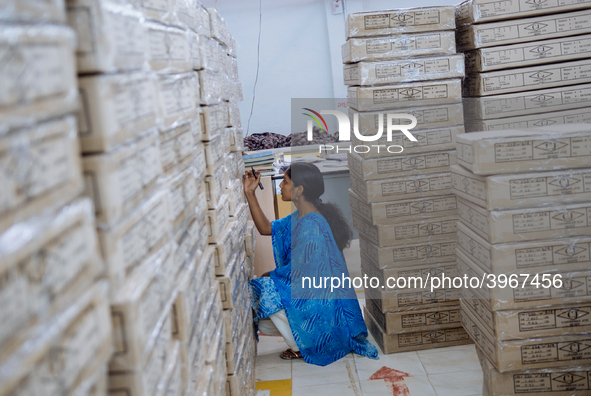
(452, 371)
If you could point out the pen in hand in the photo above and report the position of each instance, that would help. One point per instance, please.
(255, 176)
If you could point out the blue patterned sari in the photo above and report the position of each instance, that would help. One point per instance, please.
(326, 325)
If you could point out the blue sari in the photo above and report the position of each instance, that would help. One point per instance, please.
(327, 325)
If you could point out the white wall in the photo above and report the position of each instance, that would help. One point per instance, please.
(300, 52)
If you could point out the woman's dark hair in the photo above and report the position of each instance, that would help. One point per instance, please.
(309, 177)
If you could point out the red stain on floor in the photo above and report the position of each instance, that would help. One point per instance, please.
(395, 380)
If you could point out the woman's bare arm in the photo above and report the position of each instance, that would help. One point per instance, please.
(260, 220)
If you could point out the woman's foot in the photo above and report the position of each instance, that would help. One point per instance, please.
(290, 355)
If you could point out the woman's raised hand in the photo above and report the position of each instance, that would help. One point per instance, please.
(251, 182)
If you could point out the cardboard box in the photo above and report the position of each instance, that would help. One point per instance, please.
(211, 88)
(168, 48)
(438, 116)
(406, 209)
(227, 283)
(119, 180)
(525, 224)
(213, 121)
(526, 103)
(203, 23)
(523, 30)
(171, 383)
(401, 166)
(411, 299)
(404, 70)
(547, 256)
(157, 10)
(111, 37)
(237, 198)
(404, 95)
(409, 187)
(518, 151)
(422, 230)
(549, 352)
(190, 245)
(94, 384)
(137, 235)
(236, 140)
(404, 20)
(218, 27)
(529, 54)
(39, 170)
(200, 160)
(532, 323)
(214, 187)
(560, 381)
(218, 218)
(34, 11)
(178, 97)
(478, 11)
(415, 341)
(182, 190)
(115, 108)
(421, 254)
(529, 293)
(427, 140)
(401, 46)
(61, 249)
(411, 322)
(522, 190)
(195, 50)
(233, 115)
(39, 75)
(81, 334)
(208, 52)
(214, 154)
(527, 79)
(176, 147)
(389, 276)
(140, 307)
(576, 116)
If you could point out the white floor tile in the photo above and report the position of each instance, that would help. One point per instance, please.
(271, 367)
(271, 345)
(410, 386)
(465, 383)
(340, 389)
(407, 362)
(449, 360)
(304, 374)
(264, 392)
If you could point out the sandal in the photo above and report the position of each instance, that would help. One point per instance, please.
(289, 354)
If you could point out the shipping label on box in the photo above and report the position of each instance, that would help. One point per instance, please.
(408, 20)
(422, 320)
(412, 186)
(525, 103)
(564, 254)
(576, 116)
(531, 292)
(111, 37)
(115, 108)
(417, 340)
(428, 117)
(530, 189)
(404, 95)
(529, 54)
(526, 224)
(404, 70)
(427, 140)
(398, 166)
(39, 74)
(519, 31)
(40, 169)
(527, 79)
(517, 151)
(410, 300)
(406, 232)
(408, 255)
(119, 180)
(419, 208)
(533, 323)
(478, 11)
(177, 97)
(401, 46)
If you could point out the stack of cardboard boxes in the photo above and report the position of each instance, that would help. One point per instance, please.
(523, 241)
(55, 306)
(528, 63)
(405, 62)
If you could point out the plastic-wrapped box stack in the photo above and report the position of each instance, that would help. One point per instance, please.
(54, 302)
(149, 152)
(404, 62)
(524, 211)
(528, 63)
